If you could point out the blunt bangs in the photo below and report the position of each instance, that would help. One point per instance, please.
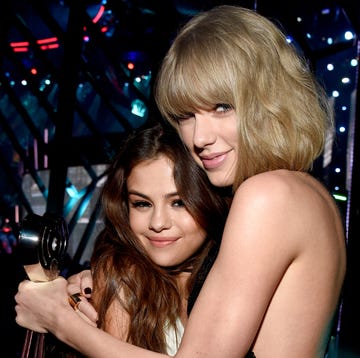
(190, 81)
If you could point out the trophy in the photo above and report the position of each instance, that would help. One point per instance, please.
(42, 244)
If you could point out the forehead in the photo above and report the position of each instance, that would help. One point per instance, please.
(155, 175)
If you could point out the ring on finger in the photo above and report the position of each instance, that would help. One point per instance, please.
(75, 300)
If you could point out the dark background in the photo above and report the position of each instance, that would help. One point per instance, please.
(76, 77)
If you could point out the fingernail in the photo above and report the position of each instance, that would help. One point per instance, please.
(87, 291)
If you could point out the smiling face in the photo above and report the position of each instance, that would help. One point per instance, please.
(158, 216)
(211, 136)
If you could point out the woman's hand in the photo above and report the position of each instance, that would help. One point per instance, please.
(38, 302)
(82, 283)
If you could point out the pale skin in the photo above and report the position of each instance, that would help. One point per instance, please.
(275, 285)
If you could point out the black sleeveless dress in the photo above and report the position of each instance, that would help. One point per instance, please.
(205, 268)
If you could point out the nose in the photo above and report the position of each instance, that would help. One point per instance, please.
(204, 133)
(160, 219)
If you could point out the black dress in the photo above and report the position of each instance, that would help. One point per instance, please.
(205, 268)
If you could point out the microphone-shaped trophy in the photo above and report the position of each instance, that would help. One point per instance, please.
(42, 244)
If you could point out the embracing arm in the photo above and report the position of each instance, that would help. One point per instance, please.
(255, 253)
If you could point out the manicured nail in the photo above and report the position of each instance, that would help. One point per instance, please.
(87, 291)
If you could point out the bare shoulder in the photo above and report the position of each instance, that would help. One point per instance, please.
(280, 181)
(286, 188)
(297, 202)
(270, 210)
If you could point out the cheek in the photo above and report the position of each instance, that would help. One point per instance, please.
(198, 239)
(194, 231)
(136, 221)
(186, 135)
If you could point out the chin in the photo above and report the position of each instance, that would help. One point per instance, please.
(220, 182)
(166, 264)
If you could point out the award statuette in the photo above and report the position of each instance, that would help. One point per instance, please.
(42, 243)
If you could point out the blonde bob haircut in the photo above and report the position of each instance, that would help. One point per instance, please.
(232, 55)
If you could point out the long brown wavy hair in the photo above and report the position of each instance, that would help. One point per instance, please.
(149, 293)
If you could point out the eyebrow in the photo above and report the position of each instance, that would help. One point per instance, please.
(134, 192)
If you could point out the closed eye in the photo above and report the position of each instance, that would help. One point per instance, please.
(184, 117)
